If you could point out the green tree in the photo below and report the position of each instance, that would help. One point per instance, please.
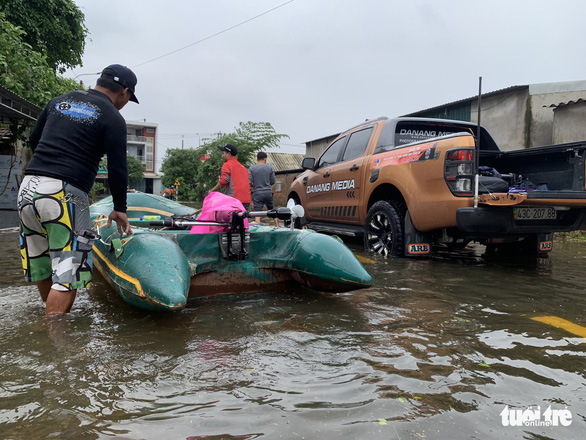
(55, 28)
(249, 138)
(135, 169)
(25, 71)
(182, 165)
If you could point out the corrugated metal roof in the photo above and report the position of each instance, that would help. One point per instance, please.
(322, 138)
(285, 161)
(542, 88)
(563, 104)
(472, 98)
(13, 106)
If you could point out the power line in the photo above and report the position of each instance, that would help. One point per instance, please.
(214, 35)
(200, 41)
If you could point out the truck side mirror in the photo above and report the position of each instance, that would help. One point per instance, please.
(308, 163)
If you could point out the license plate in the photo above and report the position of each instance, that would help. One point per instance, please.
(534, 214)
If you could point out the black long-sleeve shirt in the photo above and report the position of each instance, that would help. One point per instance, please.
(70, 137)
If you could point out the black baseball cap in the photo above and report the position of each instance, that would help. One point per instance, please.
(123, 76)
(230, 149)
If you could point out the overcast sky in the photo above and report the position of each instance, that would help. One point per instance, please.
(317, 67)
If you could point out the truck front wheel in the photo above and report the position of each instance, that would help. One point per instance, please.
(384, 228)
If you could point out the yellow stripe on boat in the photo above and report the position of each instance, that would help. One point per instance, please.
(153, 210)
(564, 324)
(121, 274)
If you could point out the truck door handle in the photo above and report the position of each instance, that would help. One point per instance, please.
(354, 167)
(326, 174)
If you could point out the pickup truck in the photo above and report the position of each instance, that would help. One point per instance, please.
(408, 184)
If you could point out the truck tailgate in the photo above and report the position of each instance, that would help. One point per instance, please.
(535, 198)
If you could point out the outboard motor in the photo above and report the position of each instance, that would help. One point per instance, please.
(235, 242)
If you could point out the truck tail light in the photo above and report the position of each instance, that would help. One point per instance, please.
(459, 171)
(460, 155)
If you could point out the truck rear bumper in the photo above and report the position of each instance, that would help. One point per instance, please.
(487, 222)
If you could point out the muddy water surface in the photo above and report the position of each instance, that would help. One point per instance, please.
(438, 349)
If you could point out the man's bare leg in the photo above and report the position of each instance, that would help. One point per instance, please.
(44, 287)
(57, 302)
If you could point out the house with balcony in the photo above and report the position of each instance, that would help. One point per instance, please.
(141, 143)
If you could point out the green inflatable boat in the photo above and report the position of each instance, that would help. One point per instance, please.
(163, 264)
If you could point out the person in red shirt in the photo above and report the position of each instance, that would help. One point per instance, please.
(234, 176)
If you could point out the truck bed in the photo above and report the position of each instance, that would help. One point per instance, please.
(558, 168)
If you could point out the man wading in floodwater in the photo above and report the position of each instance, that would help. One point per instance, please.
(72, 134)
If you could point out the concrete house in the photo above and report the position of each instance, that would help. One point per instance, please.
(569, 121)
(141, 143)
(523, 116)
(517, 117)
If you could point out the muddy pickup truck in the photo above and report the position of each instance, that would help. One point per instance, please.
(409, 184)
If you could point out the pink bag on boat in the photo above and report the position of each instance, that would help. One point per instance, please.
(217, 207)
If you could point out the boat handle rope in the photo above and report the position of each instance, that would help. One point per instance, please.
(116, 244)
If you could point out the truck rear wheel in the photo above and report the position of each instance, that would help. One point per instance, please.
(384, 230)
(528, 247)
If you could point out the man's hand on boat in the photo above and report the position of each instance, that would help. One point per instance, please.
(121, 222)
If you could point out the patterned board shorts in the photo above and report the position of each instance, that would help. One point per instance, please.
(56, 238)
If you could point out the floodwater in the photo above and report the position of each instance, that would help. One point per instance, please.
(437, 349)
